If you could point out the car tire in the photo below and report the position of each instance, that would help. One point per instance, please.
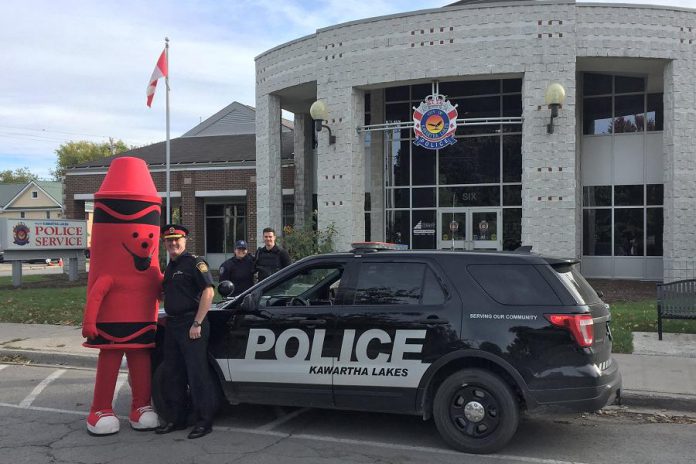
(475, 411)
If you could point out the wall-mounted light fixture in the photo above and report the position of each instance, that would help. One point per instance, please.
(320, 114)
(554, 97)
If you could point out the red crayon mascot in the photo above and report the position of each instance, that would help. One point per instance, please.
(122, 291)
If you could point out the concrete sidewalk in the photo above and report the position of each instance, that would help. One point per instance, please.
(659, 375)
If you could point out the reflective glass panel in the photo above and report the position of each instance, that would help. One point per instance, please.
(628, 195)
(424, 227)
(655, 194)
(655, 112)
(470, 196)
(512, 85)
(398, 154)
(399, 227)
(596, 195)
(512, 228)
(655, 226)
(512, 195)
(474, 160)
(596, 84)
(629, 114)
(628, 232)
(512, 158)
(596, 232)
(397, 198)
(625, 84)
(596, 117)
(423, 197)
(423, 162)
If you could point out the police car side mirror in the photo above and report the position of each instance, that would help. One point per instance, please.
(249, 304)
(226, 288)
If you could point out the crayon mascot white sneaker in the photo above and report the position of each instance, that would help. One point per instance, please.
(143, 418)
(102, 423)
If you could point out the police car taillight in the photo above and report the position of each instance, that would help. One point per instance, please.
(580, 325)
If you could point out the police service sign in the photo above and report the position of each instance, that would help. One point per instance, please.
(435, 122)
(29, 234)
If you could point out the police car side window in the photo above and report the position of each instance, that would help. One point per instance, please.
(514, 284)
(432, 290)
(390, 284)
(310, 283)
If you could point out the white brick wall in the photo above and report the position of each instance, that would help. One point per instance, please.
(540, 41)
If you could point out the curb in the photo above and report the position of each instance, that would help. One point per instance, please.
(52, 357)
(658, 400)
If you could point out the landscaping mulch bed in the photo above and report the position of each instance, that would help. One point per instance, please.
(624, 290)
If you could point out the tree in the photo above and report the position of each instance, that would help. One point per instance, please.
(18, 176)
(74, 153)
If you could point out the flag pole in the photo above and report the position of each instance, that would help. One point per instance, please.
(166, 82)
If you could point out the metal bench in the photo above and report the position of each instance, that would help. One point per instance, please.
(676, 300)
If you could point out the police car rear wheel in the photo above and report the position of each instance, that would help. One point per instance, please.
(475, 411)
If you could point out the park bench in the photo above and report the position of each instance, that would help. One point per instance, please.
(676, 300)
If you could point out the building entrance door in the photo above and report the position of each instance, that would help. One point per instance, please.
(469, 229)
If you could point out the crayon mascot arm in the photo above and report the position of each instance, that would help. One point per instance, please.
(95, 296)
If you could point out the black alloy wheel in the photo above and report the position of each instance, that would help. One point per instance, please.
(476, 411)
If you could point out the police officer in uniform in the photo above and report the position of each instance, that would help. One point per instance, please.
(239, 269)
(188, 293)
(270, 258)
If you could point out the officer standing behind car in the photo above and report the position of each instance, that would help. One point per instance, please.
(270, 258)
(239, 269)
(188, 293)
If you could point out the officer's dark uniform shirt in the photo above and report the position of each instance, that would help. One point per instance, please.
(184, 280)
(271, 261)
(240, 272)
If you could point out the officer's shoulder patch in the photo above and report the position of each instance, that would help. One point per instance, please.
(202, 267)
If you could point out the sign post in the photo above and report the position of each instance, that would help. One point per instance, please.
(23, 239)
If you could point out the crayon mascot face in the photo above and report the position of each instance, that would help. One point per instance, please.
(125, 235)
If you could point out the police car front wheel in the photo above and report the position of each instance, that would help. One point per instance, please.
(475, 411)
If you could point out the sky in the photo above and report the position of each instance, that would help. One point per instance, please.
(78, 70)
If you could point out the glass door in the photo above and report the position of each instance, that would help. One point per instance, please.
(485, 234)
(452, 228)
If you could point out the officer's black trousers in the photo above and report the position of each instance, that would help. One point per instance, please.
(186, 363)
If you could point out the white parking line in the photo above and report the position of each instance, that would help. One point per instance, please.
(282, 419)
(2, 366)
(26, 402)
(39, 408)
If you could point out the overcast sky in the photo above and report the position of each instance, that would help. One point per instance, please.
(78, 70)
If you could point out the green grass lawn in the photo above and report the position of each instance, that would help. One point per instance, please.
(640, 316)
(62, 306)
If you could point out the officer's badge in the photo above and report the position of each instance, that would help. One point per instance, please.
(202, 267)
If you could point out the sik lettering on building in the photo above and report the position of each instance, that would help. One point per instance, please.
(392, 361)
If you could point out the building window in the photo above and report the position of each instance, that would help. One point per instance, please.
(48, 215)
(22, 214)
(35, 194)
(484, 167)
(623, 220)
(288, 211)
(619, 104)
(225, 223)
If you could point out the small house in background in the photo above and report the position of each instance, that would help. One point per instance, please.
(32, 200)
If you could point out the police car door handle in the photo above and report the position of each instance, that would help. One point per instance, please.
(312, 322)
(433, 320)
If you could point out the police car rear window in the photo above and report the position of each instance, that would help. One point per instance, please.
(397, 284)
(579, 288)
(520, 285)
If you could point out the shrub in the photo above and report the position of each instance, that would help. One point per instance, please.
(306, 241)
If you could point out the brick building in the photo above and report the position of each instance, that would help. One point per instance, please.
(212, 181)
(610, 180)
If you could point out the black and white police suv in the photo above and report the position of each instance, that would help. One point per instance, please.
(470, 339)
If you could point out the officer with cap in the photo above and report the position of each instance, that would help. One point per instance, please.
(188, 293)
(239, 269)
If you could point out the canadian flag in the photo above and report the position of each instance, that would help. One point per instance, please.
(160, 71)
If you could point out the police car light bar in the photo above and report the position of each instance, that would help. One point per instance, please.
(377, 246)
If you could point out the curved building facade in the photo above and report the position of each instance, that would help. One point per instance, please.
(612, 183)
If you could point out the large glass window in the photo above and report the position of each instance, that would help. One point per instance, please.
(623, 220)
(397, 283)
(484, 167)
(225, 223)
(619, 104)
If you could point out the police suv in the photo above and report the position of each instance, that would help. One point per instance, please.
(470, 339)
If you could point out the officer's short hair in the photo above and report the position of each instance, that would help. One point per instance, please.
(269, 229)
